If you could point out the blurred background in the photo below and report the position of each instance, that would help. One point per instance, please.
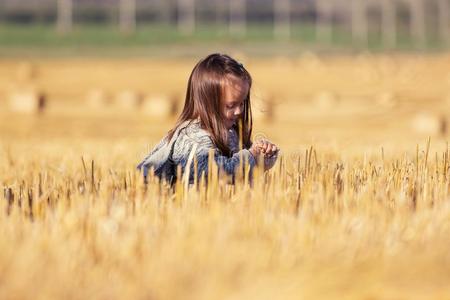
(356, 93)
(327, 72)
(307, 24)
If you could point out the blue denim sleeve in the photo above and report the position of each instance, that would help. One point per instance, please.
(225, 164)
(229, 164)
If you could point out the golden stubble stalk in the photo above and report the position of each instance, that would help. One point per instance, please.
(362, 217)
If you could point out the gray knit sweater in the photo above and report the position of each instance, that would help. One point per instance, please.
(188, 140)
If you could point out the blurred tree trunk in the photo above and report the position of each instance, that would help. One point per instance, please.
(38, 11)
(389, 23)
(238, 17)
(166, 11)
(418, 26)
(221, 12)
(444, 21)
(359, 22)
(186, 16)
(127, 16)
(282, 18)
(64, 18)
(324, 26)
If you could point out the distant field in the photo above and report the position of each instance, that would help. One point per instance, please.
(357, 207)
(152, 39)
(323, 96)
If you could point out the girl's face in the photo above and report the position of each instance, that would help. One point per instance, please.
(232, 104)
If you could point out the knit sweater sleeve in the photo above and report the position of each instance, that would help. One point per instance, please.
(158, 146)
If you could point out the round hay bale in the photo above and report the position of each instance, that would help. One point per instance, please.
(325, 100)
(428, 124)
(98, 98)
(27, 101)
(159, 106)
(129, 100)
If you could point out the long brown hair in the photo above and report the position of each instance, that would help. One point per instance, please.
(205, 91)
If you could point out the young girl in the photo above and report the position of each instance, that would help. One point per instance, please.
(216, 117)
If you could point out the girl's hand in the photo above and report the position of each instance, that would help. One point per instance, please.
(267, 148)
(255, 150)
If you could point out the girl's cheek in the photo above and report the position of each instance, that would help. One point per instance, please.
(225, 112)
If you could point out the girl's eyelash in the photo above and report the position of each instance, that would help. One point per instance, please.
(231, 106)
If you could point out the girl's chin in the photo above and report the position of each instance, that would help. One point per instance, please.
(230, 124)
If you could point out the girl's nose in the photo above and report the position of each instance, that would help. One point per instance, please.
(237, 111)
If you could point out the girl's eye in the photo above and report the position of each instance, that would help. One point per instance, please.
(235, 105)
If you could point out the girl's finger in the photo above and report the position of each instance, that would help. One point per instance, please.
(261, 145)
(269, 151)
(261, 148)
(274, 151)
